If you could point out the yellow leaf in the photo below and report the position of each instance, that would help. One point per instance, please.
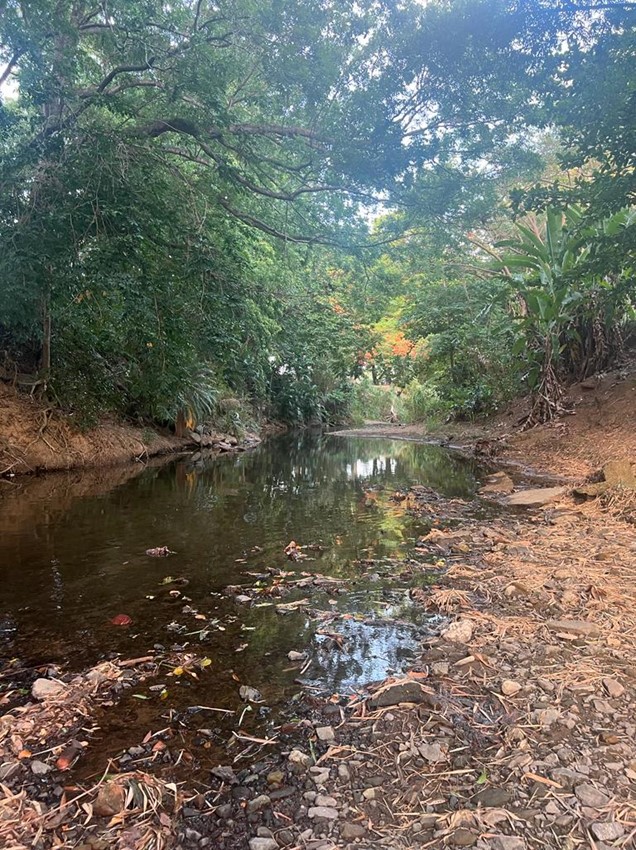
(178, 671)
(205, 662)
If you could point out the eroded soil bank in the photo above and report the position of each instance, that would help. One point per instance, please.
(38, 438)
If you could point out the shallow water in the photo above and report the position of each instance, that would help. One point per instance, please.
(72, 550)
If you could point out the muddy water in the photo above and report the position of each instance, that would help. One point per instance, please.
(72, 552)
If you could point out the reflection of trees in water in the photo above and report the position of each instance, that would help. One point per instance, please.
(370, 652)
(306, 486)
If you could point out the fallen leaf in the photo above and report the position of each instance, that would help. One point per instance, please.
(121, 620)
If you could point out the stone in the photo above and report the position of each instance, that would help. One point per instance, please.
(9, 769)
(459, 632)
(299, 761)
(620, 473)
(46, 689)
(224, 772)
(463, 837)
(582, 628)
(110, 801)
(40, 768)
(433, 753)
(498, 483)
(613, 688)
(406, 690)
(325, 734)
(492, 798)
(516, 588)
(344, 772)
(508, 842)
(510, 688)
(607, 831)
(263, 844)
(322, 813)
(535, 498)
(258, 804)
(325, 800)
(590, 796)
(567, 778)
(224, 812)
(296, 656)
(249, 694)
(276, 777)
(351, 831)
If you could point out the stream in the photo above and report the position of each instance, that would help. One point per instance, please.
(73, 555)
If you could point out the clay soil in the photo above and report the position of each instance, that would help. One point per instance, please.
(37, 438)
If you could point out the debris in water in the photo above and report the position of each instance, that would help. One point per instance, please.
(160, 552)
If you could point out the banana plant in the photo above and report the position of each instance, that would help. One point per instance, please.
(558, 298)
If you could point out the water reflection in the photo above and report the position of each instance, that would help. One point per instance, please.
(72, 548)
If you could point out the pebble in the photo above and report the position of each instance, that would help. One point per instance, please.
(463, 837)
(257, 804)
(433, 753)
(39, 768)
(299, 761)
(590, 796)
(607, 831)
(510, 688)
(224, 812)
(325, 734)
(276, 777)
(323, 812)
(459, 632)
(263, 844)
(324, 800)
(343, 772)
(613, 688)
(351, 831)
(46, 688)
(508, 842)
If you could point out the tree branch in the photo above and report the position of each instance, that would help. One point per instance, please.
(10, 66)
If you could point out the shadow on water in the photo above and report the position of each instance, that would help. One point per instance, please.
(72, 550)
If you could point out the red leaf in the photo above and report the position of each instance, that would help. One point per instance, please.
(121, 620)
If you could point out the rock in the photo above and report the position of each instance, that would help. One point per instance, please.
(510, 688)
(224, 812)
(620, 473)
(508, 842)
(296, 656)
(344, 772)
(9, 769)
(249, 694)
(567, 778)
(40, 768)
(492, 798)
(607, 831)
(299, 761)
(263, 844)
(459, 632)
(516, 588)
(350, 831)
(325, 734)
(276, 777)
(590, 796)
(498, 483)
(547, 716)
(613, 688)
(583, 628)
(194, 437)
(224, 773)
(257, 804)
(242, 599)
(110, 800)
(463, 837)
(535, 498)
(322, 813)
(324, 800)
(440, 668)
(46, 688)
(433, 753)
(406, 690)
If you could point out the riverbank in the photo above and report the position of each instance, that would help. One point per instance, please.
(513, 730)
(600, 426)
(35, 437)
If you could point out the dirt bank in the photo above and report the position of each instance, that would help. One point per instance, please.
(38, 438)
(601, 426)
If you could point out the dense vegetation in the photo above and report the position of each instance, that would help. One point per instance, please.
(291, 203)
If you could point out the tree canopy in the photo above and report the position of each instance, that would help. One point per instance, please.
(204, 198)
